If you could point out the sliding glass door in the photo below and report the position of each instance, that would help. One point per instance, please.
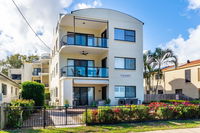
(79, 68)
(83, 95)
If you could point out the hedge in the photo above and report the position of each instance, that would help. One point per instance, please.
(34, 91)
(153, 111)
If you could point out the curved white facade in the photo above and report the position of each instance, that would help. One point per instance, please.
(93, 22)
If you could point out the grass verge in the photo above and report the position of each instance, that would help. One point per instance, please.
(116, 128)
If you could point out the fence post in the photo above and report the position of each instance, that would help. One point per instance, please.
(44, 117)
(66, 114)
(86, 115)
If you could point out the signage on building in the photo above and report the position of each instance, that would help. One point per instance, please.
(125, 75)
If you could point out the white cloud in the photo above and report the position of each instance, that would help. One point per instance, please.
(95, 3)
(186, 48)
(16, 36)
(194, 4)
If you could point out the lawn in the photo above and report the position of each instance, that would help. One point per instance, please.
(117, 128)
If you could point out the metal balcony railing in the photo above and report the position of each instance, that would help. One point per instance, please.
(84, 40)
(79, 71)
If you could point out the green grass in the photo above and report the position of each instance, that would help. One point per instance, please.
(117, 128)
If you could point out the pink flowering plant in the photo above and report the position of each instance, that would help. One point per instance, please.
(153, 111)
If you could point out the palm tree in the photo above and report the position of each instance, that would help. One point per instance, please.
(149, 67)
(162, 58)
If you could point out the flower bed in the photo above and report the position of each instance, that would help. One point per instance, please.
(153, 111)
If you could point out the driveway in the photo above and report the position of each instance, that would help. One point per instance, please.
(187, 130)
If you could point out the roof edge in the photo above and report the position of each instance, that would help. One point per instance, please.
(111, 10)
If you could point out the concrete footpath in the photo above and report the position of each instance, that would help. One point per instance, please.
(186, 130)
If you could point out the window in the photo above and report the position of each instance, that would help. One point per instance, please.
(4, 89)
(16, 76)
(11, 90)
(178, 91)
(39, 81)
(125, 91)
(124, 35)
(125, 63)
(148, 92)
(36, 71)
(188, 75)
(198, 74)
(160, 91)
(16, 91)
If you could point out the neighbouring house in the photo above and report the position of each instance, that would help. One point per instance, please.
(9, 89)
(185, 79)
(97, 54)
(35, 71)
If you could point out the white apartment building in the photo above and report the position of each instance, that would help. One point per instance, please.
(97, 54)
(35, 71)
(9, 89)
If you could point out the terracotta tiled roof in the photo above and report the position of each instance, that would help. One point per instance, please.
(185, 65)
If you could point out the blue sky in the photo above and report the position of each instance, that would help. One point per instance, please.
(173, 24)
(163, 19)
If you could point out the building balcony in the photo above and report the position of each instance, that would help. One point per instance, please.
(84, 40)
(79, 71)
(36, 73)
(45, 70)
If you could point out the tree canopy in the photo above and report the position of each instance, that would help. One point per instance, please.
(16, 61)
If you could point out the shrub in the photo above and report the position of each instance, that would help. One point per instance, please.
(154, 111)
(195, 102)
(18, 111)
(141, 112)
(22, 103)
(34, 91)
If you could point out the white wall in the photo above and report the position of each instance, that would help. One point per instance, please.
(121, 49)
(9, 96)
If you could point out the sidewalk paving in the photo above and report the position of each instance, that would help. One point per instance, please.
(186, 130)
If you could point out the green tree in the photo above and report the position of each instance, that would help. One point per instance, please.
(163, 57)
(153, 64)
(149, 69)
(34, 91)
(16, 60)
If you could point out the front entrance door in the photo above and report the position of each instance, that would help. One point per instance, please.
(104, 97)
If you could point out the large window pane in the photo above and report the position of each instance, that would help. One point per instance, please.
(130, 92)
(125, 35)
(130, 38)
(70, 62)
(130, 33)
(119, 63)
(91, 63)
(129, 63)
(70, 38)
(81, 39)
(188, 75)
(119, 34)
(119, 91)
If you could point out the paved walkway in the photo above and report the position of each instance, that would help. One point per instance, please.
(187, 130)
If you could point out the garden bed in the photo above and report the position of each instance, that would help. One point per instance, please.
(155, 111)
